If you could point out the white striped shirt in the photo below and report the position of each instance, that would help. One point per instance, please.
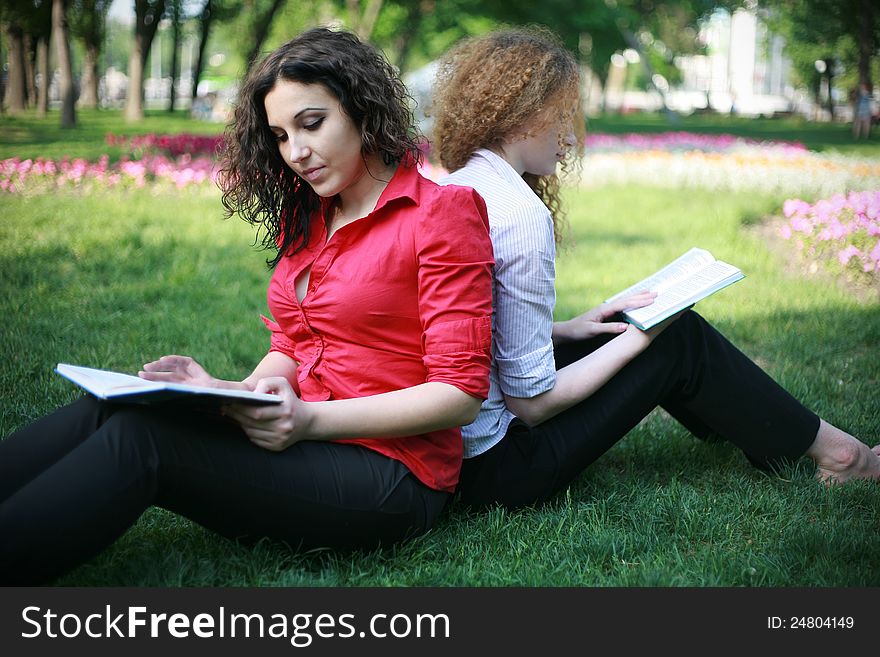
(523, 293)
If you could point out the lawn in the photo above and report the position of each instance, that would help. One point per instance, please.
(117, 277)
(28, 136)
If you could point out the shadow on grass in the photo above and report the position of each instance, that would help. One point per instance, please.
(661, 508)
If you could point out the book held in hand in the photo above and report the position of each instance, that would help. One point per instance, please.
(679, 285)
(115, 386)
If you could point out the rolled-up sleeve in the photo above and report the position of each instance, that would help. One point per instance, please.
(524, 299)
(454, 255)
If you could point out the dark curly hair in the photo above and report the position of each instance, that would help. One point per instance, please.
(257, 183)
(489, 88)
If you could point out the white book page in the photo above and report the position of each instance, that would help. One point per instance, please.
(104, 382)
(690, 290)
(671, 274)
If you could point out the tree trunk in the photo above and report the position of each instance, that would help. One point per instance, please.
(62, 43)
(261, 31)
(363, 23)
(146, 23)
(175, 48)
(89, 92)
(30, 54)
(410, 31)
(43, 75)
(829, 99)
(2, 77)
(204, 32)
(866, 41)
(636, 45)
(16, 91)
(134, 102)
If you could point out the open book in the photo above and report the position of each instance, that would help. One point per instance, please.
(132, 389)
(680, 284)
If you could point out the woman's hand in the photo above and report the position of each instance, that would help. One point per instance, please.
(594, 322)
(274, 427)
(178, 369)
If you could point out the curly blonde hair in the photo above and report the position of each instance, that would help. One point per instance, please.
(504, 86)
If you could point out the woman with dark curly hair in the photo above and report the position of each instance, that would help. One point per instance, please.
(562, 393)
(381, 296)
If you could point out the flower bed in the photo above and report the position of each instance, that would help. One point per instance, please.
(724, 163)
(170, 145)
(843, 230)
(42, 175)
(597, 142)
(178, 160)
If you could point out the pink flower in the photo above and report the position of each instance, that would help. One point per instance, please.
(847, 253)
(802, 225)
(794, 206)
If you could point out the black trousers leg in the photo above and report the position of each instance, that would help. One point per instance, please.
(27, 452)
(569, 352)
(90, 489)
(690, 366)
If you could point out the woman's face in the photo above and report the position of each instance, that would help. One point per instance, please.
(546, 146)
(315, 137)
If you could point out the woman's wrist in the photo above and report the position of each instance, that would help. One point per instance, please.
(561, 332)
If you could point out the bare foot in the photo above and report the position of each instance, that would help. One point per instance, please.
(840, 457)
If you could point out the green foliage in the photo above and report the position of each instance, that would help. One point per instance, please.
(816, 29)
(88, 19)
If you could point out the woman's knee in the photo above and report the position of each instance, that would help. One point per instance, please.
(130, 438)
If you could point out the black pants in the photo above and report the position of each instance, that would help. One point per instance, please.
(691, 370)
(75, 480)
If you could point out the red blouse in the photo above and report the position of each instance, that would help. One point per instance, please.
(400, 297)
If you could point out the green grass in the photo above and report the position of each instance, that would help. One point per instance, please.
(28, 136)
(117, 278)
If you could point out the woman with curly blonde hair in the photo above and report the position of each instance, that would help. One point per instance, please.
(562, 393)
(379, 350)
(485, 94)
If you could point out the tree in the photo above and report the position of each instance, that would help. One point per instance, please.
(61, 36)
(176, 11)
(362, 15)
(88, 23)
(822, 35)
(43, 74)
(206, 20)
(598, 29)
(38, 25)
(26, 25)
(260, 15)
(15, 97)
(147, 15)
(868, 38)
